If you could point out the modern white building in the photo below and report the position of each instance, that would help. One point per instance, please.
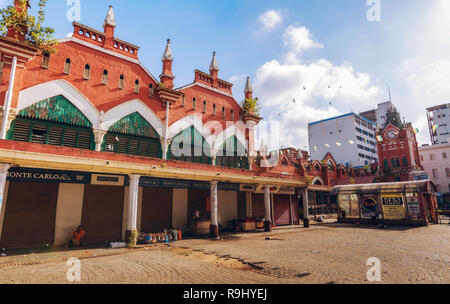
(439, 124)
(436, 162)
(349, 138)
(379, 114)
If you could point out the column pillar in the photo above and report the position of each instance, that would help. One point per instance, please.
(267, 208)
(8, 100)
(133, 202)
(3, 172)
(305, 209)
(166, 132)
(248, 204)
(214, 210)
(99, 135)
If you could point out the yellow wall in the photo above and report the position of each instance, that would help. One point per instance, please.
(3, 209)
(227, 207)
(68, 211)
(180, 209)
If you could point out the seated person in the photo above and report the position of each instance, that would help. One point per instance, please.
(76, 238)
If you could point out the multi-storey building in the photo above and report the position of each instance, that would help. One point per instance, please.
(439, 124)
(436, 162)
(90, 136)
(379, 114)
(349, 138)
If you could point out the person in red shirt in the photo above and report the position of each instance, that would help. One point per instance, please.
(76, 238)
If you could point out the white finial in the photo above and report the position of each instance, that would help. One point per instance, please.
(214, 66)
(248, 86)
(168, 52)
(110, 20)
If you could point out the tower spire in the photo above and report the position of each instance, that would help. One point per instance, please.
(167, 52)
(214, 66)
(248, 89)
(167, 76)
(110, 20)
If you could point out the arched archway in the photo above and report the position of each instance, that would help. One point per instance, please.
(48, 90)
(190, 146)
(54, 121)
(133, 135)
(232, 154)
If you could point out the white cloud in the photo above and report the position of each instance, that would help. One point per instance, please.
(320, 88)
(271, 19)
(299, 39)
(4, 3)
(422, 77)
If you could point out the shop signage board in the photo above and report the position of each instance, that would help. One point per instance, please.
(32, 175)
(183, 184)
(393, 206)
(369, 206)
(108, 180)
(200, 185)
(229, 187)
(413, 207)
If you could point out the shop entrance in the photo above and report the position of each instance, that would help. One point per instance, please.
(282, 210)
(156, 209)
(102, 213)
(258, 207)
(30, 215)
(198, 199)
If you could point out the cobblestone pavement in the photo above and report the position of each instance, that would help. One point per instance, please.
(329, 253)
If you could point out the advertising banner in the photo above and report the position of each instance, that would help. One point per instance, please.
(393, 206)
(369, 206)
(413, 206)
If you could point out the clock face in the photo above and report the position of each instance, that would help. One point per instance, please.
(392, 134)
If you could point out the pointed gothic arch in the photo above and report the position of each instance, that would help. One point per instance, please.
(190, 146)
(47, 90)
(124, 109)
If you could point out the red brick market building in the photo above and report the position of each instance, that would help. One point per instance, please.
(92, 137)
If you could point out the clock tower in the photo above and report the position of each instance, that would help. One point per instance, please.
(398, 151)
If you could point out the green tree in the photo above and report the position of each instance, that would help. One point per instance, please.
(251, 106)
(29, 26)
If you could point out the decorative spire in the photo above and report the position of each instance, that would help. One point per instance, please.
(110, 20)
(214, 66)
(248, 86)
(168, 52)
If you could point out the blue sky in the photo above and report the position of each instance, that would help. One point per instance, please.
(285, 45)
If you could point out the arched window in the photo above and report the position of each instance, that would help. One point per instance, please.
(232, 115)
(232, 154)
(105, 77)
(151, 90)
(386, 164)
(45, 60)
(405, 162)
(393, 163)
(204, 106)
(67, 66)
(136, 86)
(87, 72)
(194, 103)
(214, 109)
(54, 121)
(121, 82)
(284, 162)
(224, 113)
(397, 162)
